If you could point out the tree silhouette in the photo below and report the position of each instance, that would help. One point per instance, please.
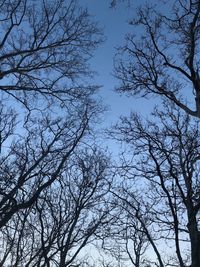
(162, 59)
(160, 190)
(67, 216)
(52, 183)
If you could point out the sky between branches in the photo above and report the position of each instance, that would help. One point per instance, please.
(114, 22)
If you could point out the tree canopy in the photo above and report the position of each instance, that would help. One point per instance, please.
(64, 200)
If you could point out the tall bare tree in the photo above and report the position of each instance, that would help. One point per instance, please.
(162, 185)
(51, 192)
(44, 52)
(161, 59)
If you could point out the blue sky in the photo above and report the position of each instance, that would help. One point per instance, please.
(115, 24)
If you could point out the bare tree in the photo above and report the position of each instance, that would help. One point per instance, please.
(52, 186)
(162, 56)
(66, 217)
(44, 49)
(162, 191)
(126, 241)
(36, 157)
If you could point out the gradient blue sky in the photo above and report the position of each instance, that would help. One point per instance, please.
(115, 24)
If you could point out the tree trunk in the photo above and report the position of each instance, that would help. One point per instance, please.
(195, 241)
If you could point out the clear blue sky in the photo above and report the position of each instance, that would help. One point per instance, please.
(115, 24)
